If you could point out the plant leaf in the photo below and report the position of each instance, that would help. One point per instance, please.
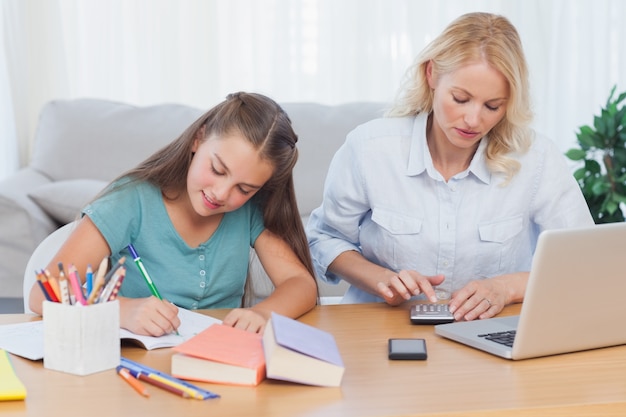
(576, 154)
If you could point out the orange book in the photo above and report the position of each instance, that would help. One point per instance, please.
(221, 354)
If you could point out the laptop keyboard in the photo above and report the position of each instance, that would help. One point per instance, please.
(504, 338)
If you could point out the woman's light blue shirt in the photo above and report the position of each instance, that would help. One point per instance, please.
(211, 275)
(384, 198)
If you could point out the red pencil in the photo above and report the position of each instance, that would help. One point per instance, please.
(46, 285)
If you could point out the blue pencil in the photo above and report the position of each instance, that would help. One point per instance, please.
(137, 367)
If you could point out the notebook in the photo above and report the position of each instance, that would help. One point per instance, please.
(574, 298)
(11, 387)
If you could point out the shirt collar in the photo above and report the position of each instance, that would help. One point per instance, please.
(420, 159)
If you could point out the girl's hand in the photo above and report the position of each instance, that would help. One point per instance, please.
(148, 316)
(246, 319)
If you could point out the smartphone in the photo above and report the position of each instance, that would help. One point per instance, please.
(431, 313)
(407, 349)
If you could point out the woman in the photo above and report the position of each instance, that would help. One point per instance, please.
(450, 190)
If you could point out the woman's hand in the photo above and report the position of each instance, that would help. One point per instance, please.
(406, 284)
(148, 316)
(485, 298)
(247, 319)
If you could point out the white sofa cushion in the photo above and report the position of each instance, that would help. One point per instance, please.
(62, 200)
(99, 139)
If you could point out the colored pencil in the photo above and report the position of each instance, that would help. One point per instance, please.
(174, 390)
(134, 382)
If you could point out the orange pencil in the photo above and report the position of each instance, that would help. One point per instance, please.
(53, 283)
(134, 382)
(44, 281)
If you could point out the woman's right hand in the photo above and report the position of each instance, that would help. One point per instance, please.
(148, 316)
(406, 284)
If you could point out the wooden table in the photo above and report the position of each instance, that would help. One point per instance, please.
(455, 380)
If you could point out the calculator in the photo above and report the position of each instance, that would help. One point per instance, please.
(431, 313)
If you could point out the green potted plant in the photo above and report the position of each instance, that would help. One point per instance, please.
(602, 150)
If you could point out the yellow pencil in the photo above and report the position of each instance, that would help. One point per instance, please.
(98, 282)
(192, 392)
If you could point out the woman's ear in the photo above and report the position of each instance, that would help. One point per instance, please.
(429, 75)
(200, 135)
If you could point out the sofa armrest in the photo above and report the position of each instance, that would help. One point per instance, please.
(23, 224)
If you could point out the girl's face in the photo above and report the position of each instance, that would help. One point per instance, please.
(467, 103)
(225, 172)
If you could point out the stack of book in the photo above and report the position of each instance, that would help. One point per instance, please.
(288, 350)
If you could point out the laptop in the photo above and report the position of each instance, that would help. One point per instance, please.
(574, 298)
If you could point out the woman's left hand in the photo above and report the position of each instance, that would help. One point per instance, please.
(485, 298)
(246, 319)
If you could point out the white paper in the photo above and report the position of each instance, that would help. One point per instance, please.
(26, 339)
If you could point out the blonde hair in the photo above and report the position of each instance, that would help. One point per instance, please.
(470, 38)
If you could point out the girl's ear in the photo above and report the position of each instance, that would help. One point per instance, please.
(429, 75)
(200, 135)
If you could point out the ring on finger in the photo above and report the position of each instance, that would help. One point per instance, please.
(488, 302)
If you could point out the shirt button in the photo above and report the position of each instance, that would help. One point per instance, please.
(202, 284)
(194, 305)
(201, 257)
(202, 272)
(446, 263)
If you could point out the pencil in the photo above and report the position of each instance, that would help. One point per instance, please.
(89, 280)
(75, 284)
(54, 284)
(44, 290)
(109, 274)
(47, 287)
(98, 281)
(64, 288)
(114, 284)
(190, 391)
(134, 382)
(170, 388)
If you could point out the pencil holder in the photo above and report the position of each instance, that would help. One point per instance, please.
(81, 340)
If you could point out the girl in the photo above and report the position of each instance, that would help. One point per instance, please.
(192, 211)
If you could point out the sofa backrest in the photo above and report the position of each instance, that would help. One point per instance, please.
(99, 139)
(321, 130)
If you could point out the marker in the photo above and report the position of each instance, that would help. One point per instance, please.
(143, 271)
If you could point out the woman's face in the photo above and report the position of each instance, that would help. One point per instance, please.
(225, 172)
(467, 103)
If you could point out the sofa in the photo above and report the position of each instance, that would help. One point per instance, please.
(81, 144)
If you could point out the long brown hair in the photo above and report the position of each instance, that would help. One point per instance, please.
(268, 129)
